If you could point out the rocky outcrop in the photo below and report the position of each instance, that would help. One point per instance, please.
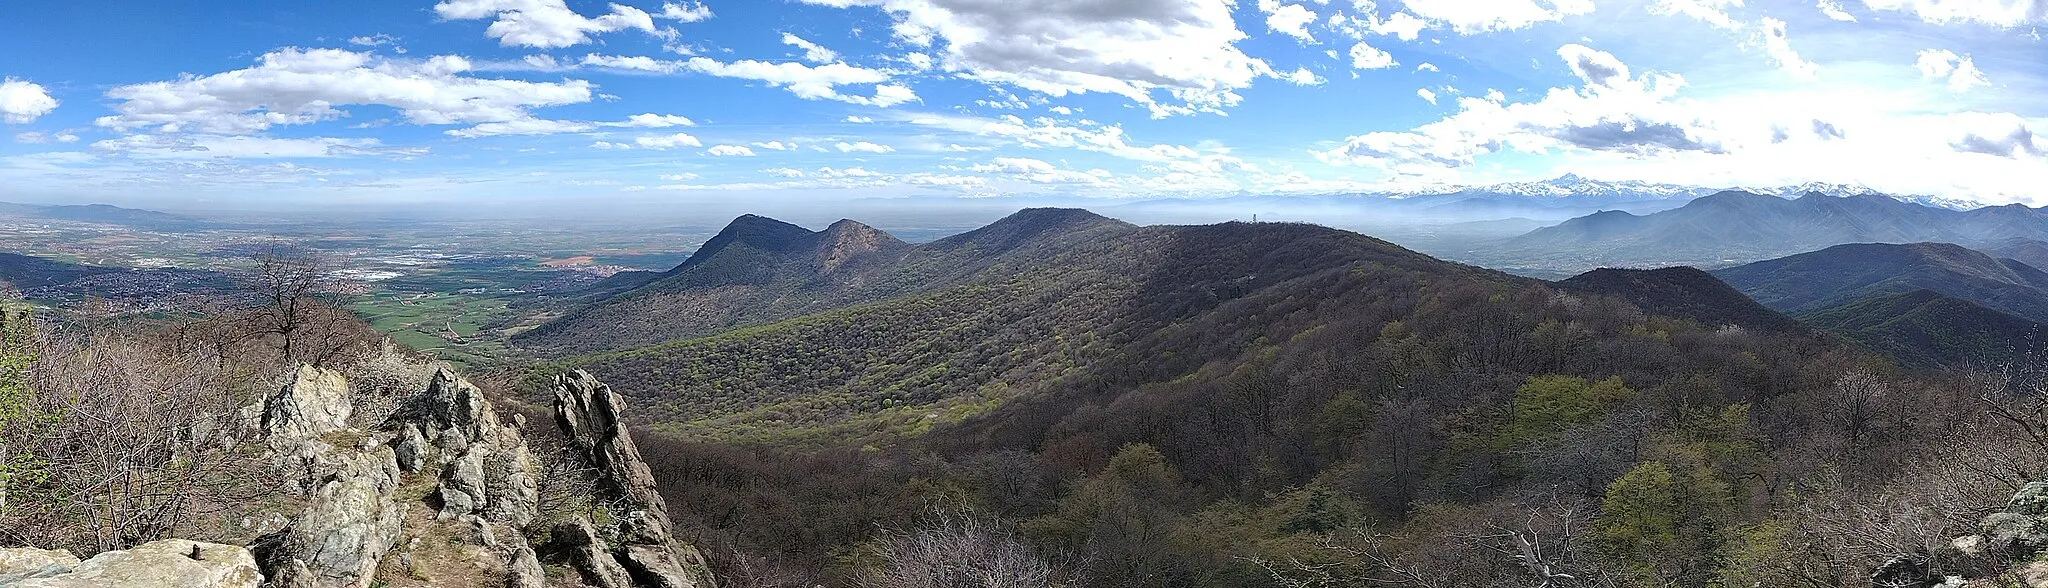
(645, 549)
(2005, 552)
(170, 563)
(351, 523)
(484, 467)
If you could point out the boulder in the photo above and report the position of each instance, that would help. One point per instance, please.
(347, 528)
(316, 402)
(22, 563)
(170, 563)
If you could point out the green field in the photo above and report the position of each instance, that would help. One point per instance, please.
(454, 327)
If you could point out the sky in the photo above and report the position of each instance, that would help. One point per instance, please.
(487, 102)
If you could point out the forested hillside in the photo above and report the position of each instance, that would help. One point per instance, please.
(1290, 405)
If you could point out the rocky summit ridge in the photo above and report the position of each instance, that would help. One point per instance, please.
(435, 491)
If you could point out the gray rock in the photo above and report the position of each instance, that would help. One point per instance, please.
(350, 524)
(2031, 500)
(590, 555)
(22, 563)
(485, 467)
(170, 563)
(589, 413)
(314, 403)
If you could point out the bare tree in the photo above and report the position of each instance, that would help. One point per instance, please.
(287, 282)
(958, 550)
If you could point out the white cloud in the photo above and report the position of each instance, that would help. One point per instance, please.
(1291, 19)
(1302, 77)
(537, 126)
(1613, 113)
(1833, 9)
(2001, 135)
(1038, 172)
(2000, 13)
(685, 12)
(667, 141)
(1958, 71)
(776, 146)
(544, 24)
(730, 151)
(1596, 67)
(862, 147)
(1426, 94)
(1779, 48)
(807, 82)
(1427, 67)
(377, 40)
(22, 102)
(784, 172)
(813, 52)
(299, 86)
(239, 147)
(1713, 12)
(1482, 16)
(1401, 25)
(859, 120)
(1365, 56)
(1184, 49)
(657, 121)
(524, 126)
(42, 137)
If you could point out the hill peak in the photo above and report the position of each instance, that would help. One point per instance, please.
(848, 239)
(1683, 292)
(1029, 225)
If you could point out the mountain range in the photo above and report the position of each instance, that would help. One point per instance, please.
(1730, 228)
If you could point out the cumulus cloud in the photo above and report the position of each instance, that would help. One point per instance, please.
(685, 12)
(1365, 56)
(730, 151)
(1713, 12)
(1302, 77)
(1038, 171)
(550, 24)
(1613, 113)
(813, 52)
(1833, 10)
(22, 102)
(862, 147)
(1290, 19)
(1779, 48)
(656, 121)
(776, 146)
(2000, 13)
(1484, 16)
(299, 86)
(1426, 94)
(1401, 25)
(1959, 72)
(1172, 56)
(859, 120)
(667, 141)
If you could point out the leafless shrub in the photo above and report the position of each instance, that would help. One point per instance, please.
(955, 549)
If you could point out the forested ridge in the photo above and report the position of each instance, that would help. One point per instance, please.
(1260, 404)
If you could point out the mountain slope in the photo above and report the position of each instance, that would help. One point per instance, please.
(1735, 227)
(759, 270)
(1681, 292)
(1838, 275)
(1924, 328)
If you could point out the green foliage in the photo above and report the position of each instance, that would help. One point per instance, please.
(20, 416)
(1549, 404)
(1639, 516)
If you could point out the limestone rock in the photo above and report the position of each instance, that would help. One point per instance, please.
(2031, 500)
(590, 555)
(589, 413)
(170, 563)
(19, 564)
(344, 532)
(485, 467)
(314, 403)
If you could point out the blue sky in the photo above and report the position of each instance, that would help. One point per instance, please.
(642, 100)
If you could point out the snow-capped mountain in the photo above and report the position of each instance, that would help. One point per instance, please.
(1574, 185)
